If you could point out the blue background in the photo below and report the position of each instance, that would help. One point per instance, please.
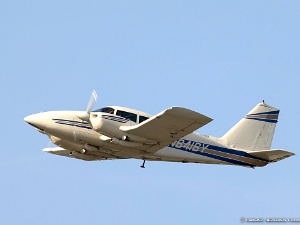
(219, 58)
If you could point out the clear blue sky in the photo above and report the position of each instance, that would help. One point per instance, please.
(219, 58)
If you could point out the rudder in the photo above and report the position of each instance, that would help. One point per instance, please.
(255, 131)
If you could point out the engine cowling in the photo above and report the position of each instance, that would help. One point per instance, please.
(112, 129)
(107, 127)
(83, 156)
(65, 144)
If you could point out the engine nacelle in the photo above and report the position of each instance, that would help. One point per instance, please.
(112, 128)
(107, 127)
(83, 156)
(125, 143)
(65, 144)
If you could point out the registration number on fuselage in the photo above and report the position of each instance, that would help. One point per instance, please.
(188, 145)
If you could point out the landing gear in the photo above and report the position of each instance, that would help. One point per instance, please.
(143, 166)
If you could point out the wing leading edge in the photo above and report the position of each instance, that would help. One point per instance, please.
(167, 127)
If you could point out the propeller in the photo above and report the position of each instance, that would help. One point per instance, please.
(85, 116)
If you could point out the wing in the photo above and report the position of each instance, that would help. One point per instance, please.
(73, 154)
(167, 127)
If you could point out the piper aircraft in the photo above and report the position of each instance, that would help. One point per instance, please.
(116, 132)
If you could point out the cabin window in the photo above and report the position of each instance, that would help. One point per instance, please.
(143, 118)
(127, 115)
(105, 110)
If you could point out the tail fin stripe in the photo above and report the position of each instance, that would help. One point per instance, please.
(271, 117)
(264, 120)
(268, 113)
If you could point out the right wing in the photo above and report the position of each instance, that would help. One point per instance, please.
(167, 127)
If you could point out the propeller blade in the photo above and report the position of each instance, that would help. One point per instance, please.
(92, 101)
(85, 116)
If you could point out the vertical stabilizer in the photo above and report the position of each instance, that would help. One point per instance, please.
(255, 131)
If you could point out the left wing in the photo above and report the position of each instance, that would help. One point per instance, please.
(167, 127)
(73, 154)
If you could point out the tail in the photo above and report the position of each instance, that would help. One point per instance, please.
(255, 131)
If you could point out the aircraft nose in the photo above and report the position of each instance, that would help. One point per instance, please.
(36, 120)
(29, 119)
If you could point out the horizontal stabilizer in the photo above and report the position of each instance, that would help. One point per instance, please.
(272, 155)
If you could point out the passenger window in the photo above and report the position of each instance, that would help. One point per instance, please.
(127, 115)
(143, 118)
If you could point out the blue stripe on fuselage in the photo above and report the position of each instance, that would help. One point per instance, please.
(198, 148)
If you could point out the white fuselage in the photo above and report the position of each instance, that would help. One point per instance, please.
(78, 138)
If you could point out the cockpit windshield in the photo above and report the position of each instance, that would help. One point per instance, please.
(106, 110)
(122, 113)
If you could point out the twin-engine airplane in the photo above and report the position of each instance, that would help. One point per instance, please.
(122, 133)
